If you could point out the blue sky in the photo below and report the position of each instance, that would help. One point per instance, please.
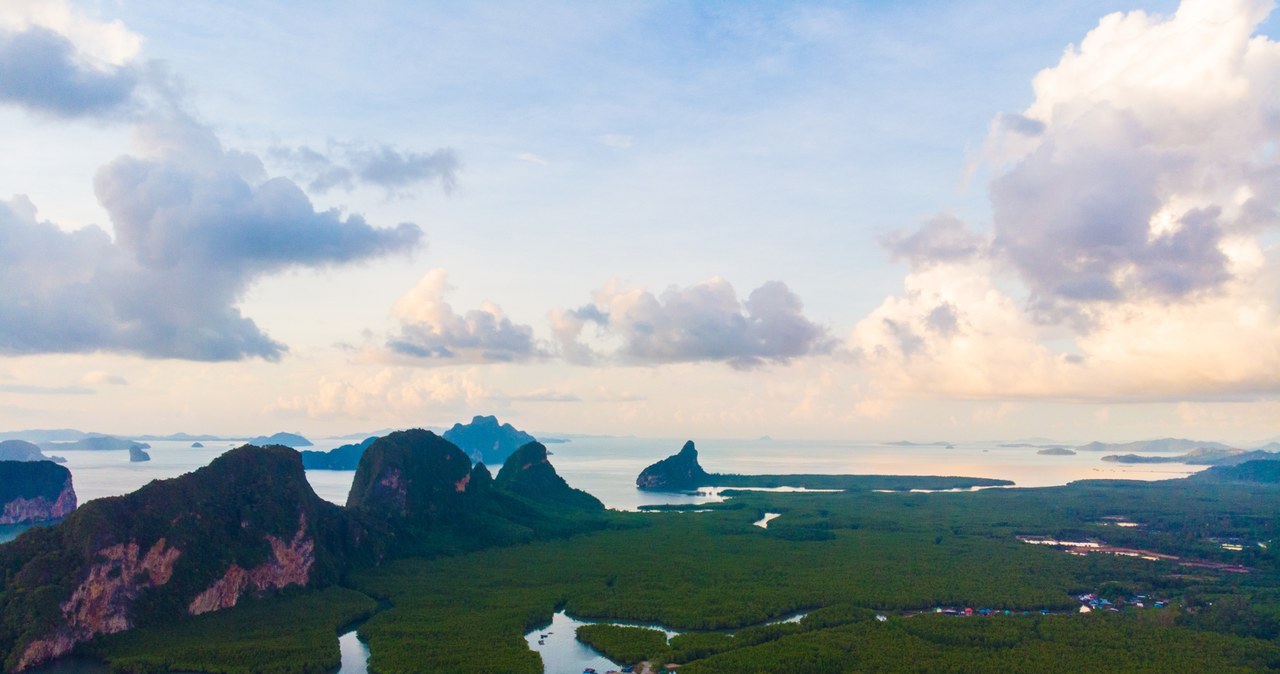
(828, 220)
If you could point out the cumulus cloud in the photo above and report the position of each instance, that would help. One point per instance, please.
(1147, 157)
(398, 393)
(59, 62)
(345, 166)
(989, 347)
(704, 322)
(39, 71)
(430, 332)
(944, 238)
(194, 225)
(1132, 254)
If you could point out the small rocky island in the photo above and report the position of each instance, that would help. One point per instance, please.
(34, 491)
(682, 472)
(138, 455)
(678, 472)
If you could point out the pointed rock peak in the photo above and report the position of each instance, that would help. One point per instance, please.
(678, 472)
(481, 478)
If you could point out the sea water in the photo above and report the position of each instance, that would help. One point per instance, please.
(607, 467)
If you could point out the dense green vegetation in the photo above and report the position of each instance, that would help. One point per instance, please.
(854, 482)
(467, 564)
(626, 644)
(294, 633)
(849, 555)
(31, 480)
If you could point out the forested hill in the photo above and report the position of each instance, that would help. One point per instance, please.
(249, 525)
(1258, 471)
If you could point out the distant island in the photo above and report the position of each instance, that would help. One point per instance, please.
(346, 457)
(138, 455)
(1162, 445)
(197, 445)
(1056, 451)
(682, 472)
(95, 443)
(21, 450)
(908, 443)
(1203, 456)
(486, 441)
(287, 439)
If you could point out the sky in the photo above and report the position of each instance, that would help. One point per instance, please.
(842, 221)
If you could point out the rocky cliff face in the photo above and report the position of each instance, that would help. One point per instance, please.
(34, 491)
(100, 603)
(290, 564)
(677, 472)
(247, 524)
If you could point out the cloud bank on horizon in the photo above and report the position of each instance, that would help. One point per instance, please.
(1131, 252)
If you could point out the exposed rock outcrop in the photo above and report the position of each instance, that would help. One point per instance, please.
(138, 455)
(35, 491)
(678, 472)
(290, 564)
(100, 603)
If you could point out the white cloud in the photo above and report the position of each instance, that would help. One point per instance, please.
(431, 333)
(194, 225)
(1225, 346)
(103, 378)
(99, 42)
(705, 322)
(408, 395)
(1132, 199)
(1141, 158)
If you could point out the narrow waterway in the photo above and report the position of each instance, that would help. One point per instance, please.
(763, 522)
(355, 653)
